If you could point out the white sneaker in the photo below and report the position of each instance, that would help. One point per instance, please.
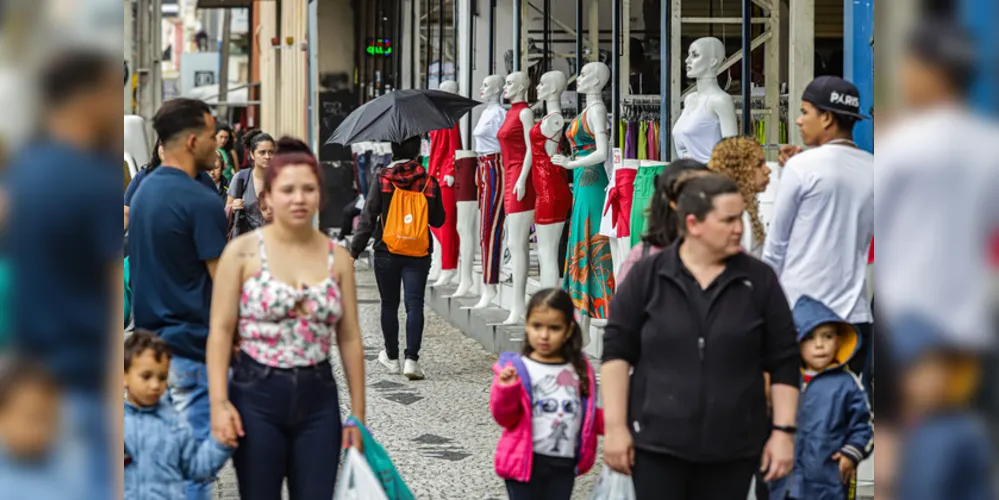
(413, 370)
(392, 365)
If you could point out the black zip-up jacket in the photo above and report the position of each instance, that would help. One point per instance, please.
(697, 389)
(410, 176)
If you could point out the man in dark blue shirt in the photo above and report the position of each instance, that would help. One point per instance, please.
(177, 231)
(65, 247)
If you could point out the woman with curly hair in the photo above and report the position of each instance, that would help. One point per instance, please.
(742, 160)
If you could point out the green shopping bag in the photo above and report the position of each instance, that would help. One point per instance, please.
(381, 464)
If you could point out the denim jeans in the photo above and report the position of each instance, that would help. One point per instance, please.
(291, 418)
(188, 383)
(551, 479)
(391, 272)
(86, 446)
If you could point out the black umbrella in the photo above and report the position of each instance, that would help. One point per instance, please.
(402, 114)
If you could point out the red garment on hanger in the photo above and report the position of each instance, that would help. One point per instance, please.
(443, 144)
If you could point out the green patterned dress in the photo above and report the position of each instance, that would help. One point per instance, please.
(589, 270)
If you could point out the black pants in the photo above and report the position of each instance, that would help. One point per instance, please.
(391, 272)
(664, 477)
(863, 361)
(551, 479)
(349, 213)
(292, 423)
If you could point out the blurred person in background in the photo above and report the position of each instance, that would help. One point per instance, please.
(219, 180)
(823, 222)
(243, 202)
(742, 160)
(663, 227)
(154, 163)
(30, 467)
(65, 249)
(176, 236)
(289, 294)
(225, 141)
(933, 257)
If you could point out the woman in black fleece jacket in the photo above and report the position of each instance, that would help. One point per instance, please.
(700, 323)
(392, 270)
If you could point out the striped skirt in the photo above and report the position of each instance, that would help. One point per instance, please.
(492, 216)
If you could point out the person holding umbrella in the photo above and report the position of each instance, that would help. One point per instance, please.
(401, 207)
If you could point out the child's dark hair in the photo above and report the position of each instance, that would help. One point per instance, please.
(572, 350)
(15, 373)
(139, 342)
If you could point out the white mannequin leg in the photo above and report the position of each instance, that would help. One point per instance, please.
(435, 261)
(519, 233)
(617, 258)
(488, 295)
(548, 239)
(624, 248)
(584, 327)
(468, 216)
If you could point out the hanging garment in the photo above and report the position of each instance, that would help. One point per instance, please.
(443, 144)
(620, 200)
(491, 216)
(464, 179)
(653, 142)
(645, 188)
(589, 273)
(696, 133)
(487, 128)
(629, 150)
(643, 131)
(514, 150)
(551, 182)
(622, 135)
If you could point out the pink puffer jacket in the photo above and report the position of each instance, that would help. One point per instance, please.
(512, 409)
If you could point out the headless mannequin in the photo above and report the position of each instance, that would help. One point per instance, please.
(694, 133)
(591, 82)
(446, 182)
(489, 93)
(519, 224)
(468, 217)
(550, 90)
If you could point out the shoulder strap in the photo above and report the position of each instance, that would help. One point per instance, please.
(646, 248)
(237, 187)
(263, 250)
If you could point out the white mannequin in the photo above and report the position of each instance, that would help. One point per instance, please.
(591, 81)
(707, 105)
(489, 93)
(446, 276)
(550, 90)
(468, 217)
(519, 224)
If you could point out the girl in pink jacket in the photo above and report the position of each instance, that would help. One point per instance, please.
(546, 401)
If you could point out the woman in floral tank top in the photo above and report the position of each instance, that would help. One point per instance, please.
(289, 292)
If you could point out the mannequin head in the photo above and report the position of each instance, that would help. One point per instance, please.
(704, 58)
(552, 84)
(449, 86)
(592, 78)
(515, 89)
(491, 87)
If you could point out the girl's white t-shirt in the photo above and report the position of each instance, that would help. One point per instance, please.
(557, 408)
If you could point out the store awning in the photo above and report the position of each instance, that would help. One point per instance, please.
(224, 4)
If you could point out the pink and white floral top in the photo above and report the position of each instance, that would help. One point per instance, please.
(284, 326)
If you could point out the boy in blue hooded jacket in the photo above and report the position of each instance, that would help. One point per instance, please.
(161, 452)
(835, 430)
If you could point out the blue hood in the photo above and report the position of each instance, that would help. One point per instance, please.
(810, 313)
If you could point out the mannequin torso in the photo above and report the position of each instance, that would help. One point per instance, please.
(516, 157)
(709, 113)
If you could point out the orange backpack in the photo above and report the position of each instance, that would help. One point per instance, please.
(406, 229)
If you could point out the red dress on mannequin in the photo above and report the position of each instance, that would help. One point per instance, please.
(513, 151)
(551, 182)
(443, 144)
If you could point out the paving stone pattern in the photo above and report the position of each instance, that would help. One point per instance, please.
(438, 431)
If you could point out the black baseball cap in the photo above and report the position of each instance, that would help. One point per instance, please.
(834, 94)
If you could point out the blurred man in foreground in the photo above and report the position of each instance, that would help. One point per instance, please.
(65, 247)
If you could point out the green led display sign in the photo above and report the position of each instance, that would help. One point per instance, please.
(379, 47)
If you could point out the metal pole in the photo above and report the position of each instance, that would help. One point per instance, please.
(396, 44)
(430, 47)
(492, 37)
(157, 54)
(747, 67)
(546, 62)
(615, 71)
(518, 21)
(579, 51)
(472, 13)
(223, 109)
(665, 70)
(441, 19)
(455, 15)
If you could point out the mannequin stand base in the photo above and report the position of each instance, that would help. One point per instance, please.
(445, 278)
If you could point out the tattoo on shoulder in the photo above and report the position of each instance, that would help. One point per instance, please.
(246, 254)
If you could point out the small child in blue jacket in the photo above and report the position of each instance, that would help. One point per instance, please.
(161, 452)
(835, 430)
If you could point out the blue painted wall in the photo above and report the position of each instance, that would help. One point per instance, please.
(980, 16)
(858, 62)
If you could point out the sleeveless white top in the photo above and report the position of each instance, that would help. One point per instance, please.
(696, 133)
(486, 129)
